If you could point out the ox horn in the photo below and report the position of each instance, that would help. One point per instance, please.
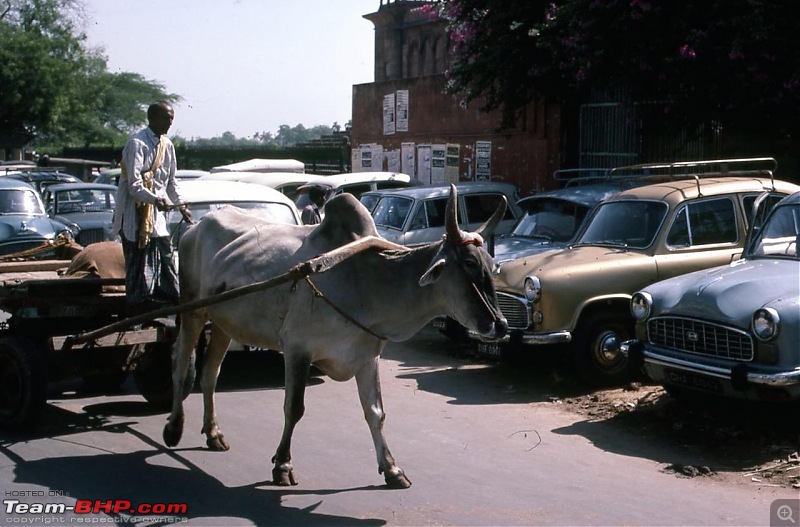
(491, 224)
(451, 217)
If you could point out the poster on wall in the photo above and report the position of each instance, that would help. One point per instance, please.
(407, 160)
(377, 157)
(424, 163)
(365, 158)
(388, 114)
(402, 111)
(392, 160)
(451, 163)
(483, 160)
(437, 163)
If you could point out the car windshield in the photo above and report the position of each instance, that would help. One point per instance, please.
(392, 211)
(84, 200)
(632, 224)
(780, 236)
(550, 219)
(19, 202)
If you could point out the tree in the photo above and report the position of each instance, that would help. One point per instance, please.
(56, 89)
(729, 62)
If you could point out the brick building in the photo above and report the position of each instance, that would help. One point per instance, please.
(403, 121)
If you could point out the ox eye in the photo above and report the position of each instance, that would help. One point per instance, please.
(471, 264)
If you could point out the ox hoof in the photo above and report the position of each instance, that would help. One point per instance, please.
(172, 435)
(397, 481)
(218, 443)
(283, 476)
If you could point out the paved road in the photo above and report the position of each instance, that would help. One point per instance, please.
(483, 445)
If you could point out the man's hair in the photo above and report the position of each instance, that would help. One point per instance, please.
(157, 108)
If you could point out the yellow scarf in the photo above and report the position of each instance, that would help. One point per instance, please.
(146, 221)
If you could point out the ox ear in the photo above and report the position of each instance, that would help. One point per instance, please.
(451, 217)
(433, 273)
(487, 229)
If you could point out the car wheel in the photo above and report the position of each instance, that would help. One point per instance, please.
(153, 376)
(23, 383)
(596, 349)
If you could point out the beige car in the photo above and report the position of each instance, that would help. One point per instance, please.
(579, 296)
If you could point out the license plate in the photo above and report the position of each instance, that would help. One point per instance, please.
(692, 380)
(489, 348)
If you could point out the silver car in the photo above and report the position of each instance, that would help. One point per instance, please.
(414, 216)
(732, 330)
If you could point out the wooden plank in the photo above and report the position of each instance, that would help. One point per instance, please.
(122, 338)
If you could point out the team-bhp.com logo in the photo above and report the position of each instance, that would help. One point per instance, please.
(165, 512)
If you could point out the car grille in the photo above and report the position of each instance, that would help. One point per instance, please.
(695, 336)
(89, 236)
(515, 310)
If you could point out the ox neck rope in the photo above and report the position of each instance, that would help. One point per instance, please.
(319, 294)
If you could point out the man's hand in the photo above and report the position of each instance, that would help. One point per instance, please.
(161, 204)
(187, 216)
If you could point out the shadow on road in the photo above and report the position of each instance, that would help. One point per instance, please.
(140, 477)
(445, 367)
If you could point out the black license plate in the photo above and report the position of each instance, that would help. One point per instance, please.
(693, 380)
(489, 348)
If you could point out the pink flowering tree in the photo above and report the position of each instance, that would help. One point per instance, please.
(731, 62)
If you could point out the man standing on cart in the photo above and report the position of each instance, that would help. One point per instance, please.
(147, 189)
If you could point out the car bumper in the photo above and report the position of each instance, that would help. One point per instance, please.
(530, 339)
(660, 365)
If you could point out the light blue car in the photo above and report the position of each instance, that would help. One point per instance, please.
(733, 330)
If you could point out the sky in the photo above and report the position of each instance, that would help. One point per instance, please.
(241, 66)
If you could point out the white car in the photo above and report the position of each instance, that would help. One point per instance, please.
(202, 196)
(285, 182)
(356, 183)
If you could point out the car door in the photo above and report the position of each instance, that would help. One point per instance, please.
(479, 207)
(703, 233)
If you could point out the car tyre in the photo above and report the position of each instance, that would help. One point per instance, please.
(23, 383)
(595, 349)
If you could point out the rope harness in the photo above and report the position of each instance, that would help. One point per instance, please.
(319, 294)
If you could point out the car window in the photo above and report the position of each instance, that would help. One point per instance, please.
(625, 224)
(480, 207)
(19, 202)
(355, 190)
(763, 210)
(704, 223)
(84, 200)
(369, 201)
(430, 214)
(391, 211)
(780, 236)
(551, 219)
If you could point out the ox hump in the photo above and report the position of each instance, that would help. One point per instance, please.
(346, 220)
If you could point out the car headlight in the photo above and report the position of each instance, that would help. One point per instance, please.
(641, 305)
(532, 288)
(766, 323)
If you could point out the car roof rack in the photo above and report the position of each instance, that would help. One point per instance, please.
(706, 167)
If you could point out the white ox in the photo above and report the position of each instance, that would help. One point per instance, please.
(378, 295)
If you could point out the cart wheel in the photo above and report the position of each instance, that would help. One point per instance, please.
(153, 376)
(105, 382)
(23, 383)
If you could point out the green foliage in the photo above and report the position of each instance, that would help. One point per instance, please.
(286, 136)
(54, 87)
(732, 62)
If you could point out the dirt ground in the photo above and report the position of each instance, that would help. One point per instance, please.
(757, 444)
